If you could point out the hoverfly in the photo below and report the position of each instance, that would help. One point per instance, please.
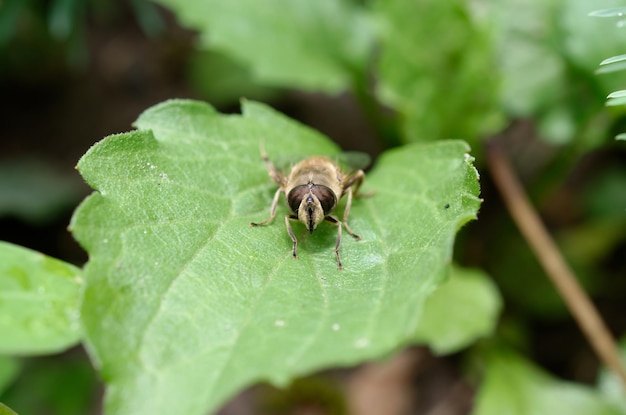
(313, 188)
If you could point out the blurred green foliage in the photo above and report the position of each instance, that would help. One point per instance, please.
(421, 71)
(235, 80)
(9, 368)
(478, 63)
(514, 386)
(36, 192)
(65, 385)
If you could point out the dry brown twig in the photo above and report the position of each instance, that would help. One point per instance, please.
(554, 264)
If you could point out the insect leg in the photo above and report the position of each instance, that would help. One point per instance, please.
(338, 223)
(356, 179)
(346, 212)
(272, 210)
(275, 173)
(290, 232)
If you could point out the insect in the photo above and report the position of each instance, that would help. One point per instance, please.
(313, 188)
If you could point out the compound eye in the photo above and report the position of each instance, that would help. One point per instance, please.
(295, 196)
(326, 197)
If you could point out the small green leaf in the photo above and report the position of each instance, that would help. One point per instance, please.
(9, 368)
(64, 16)
(514, 386)
(39, 299)
(613, 12)
(463, 309)
(235, 79)
(185, 303)
(148, 17)
(588, 41)
(611, 385)
(5, 410)
(621, 136)
(35, 192)
(314, 45)
(614, 102)
(613, 59)
(610, 68)
(65, 384)
(617, 94)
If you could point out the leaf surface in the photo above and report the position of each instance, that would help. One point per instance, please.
(39, 301)
(186, 303)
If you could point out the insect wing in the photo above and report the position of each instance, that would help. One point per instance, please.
(351, 161)
(347, 160)
(284, 162)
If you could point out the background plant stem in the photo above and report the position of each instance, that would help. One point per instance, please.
(559, 272)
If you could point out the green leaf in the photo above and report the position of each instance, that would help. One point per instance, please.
(463, 309)
(235, 81)
(621, 136)
(63, 18)
(611, 68)
(613, 12)
(148, 17)
(10, 15)
(589, 41)
(39, 300)
(5, 410)
(436, 69)
(611, 385)
(185, 303)
(614, 102)
(9, 368)
(603, 197)
(314, 45)
(617, 94)
(548, 51)
(521, 28)
(65, 384)
(514, 386)
(34, 191)
(613, 59)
